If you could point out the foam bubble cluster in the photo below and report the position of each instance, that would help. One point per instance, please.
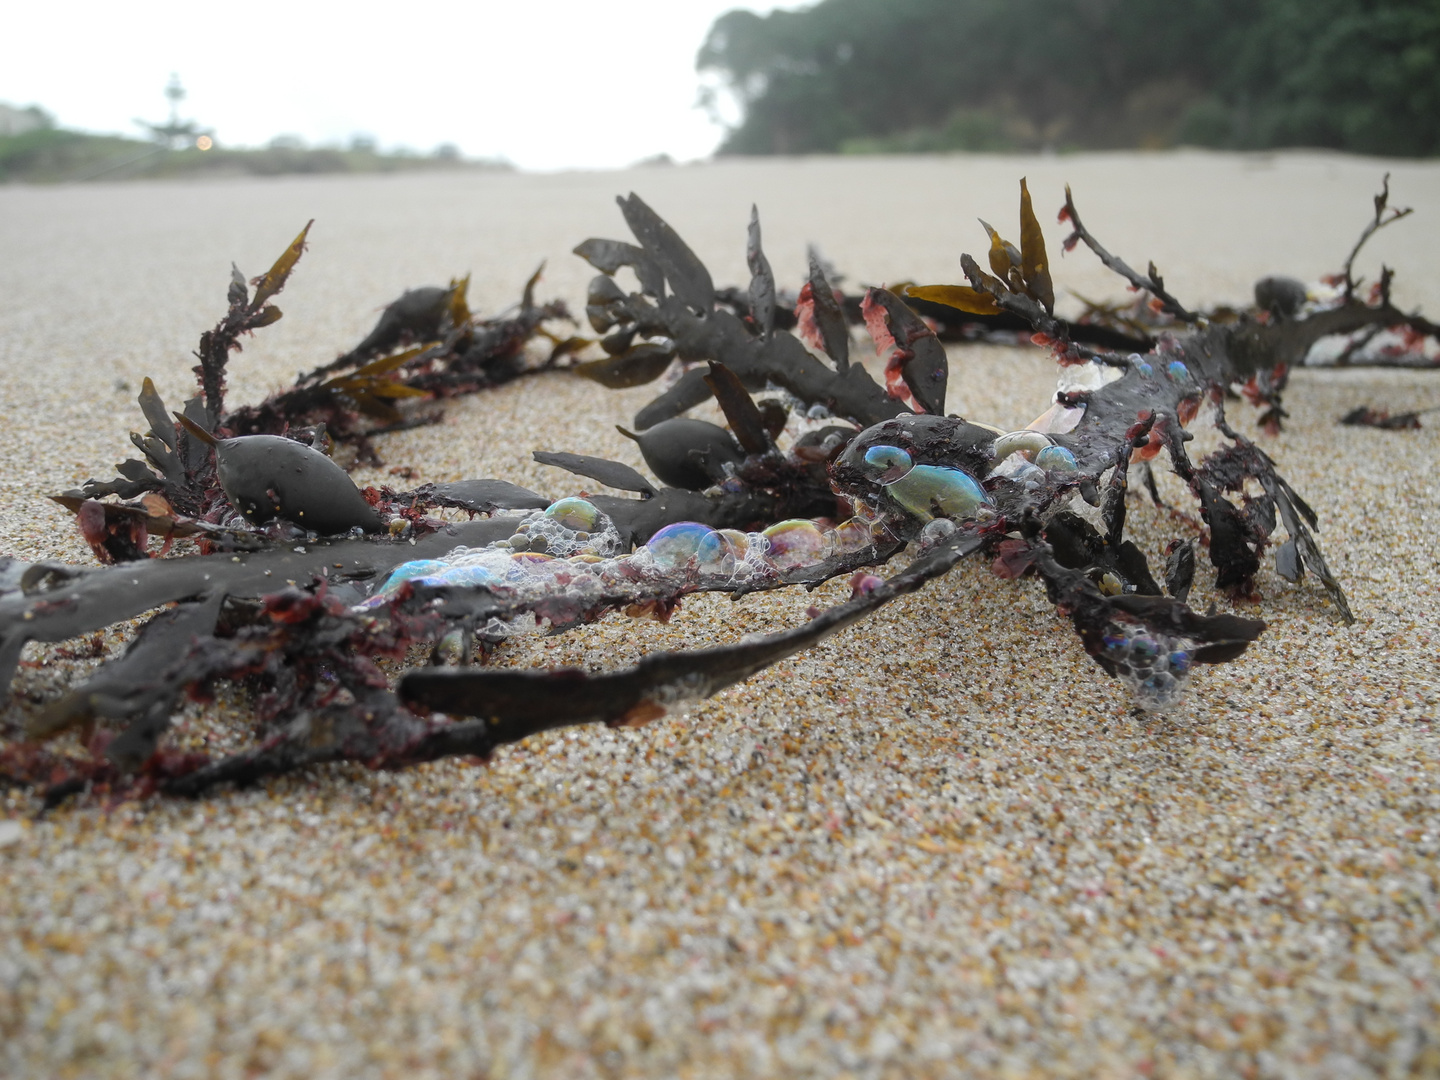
(1155, 666)
(550, 549)
(564, 564)
(569, 557)
(693, 551)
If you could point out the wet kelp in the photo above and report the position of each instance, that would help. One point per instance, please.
(306, 584)
(426, 346)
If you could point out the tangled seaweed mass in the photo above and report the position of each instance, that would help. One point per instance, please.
(296, 582)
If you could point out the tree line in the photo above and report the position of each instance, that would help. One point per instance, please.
(935, 75)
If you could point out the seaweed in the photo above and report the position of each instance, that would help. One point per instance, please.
(1384, 419)
(445, 351)
(178, 488)
(305, 589)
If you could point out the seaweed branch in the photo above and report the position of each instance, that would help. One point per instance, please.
(1378, 222)
(1151, 282)
(246, 315)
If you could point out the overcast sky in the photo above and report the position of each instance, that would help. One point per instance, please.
(546, 85)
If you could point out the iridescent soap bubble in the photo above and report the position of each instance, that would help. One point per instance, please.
(928, 489)
(796, 542)
(1178, 371)
(674, 546)
(575, 514)
(886, 463)
(430, 572)
(722, 553)
(409, 572)
(1144, 647)
(936, 532)
(1056, 459)
(852, 534)
(737, 542)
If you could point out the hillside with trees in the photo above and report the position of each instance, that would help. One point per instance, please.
(941, 75)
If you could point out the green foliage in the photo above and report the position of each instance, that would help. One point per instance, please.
(47, 155)
(56, 154)
(934, 75)
(970, 130)
(1348, 74)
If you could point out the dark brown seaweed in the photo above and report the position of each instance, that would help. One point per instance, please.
(301, 619)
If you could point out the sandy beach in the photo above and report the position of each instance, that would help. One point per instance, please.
(939, 844)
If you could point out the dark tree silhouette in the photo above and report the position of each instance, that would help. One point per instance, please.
(1359, 75)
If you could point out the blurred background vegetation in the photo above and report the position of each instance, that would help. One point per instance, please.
(875, 76)
(33, 149)
(929, 76)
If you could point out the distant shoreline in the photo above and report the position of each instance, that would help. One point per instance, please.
(52, 155)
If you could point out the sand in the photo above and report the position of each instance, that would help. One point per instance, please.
(938, 844)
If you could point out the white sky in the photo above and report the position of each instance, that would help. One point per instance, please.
(546, 84)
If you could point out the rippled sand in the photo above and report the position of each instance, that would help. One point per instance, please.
(939, 843)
